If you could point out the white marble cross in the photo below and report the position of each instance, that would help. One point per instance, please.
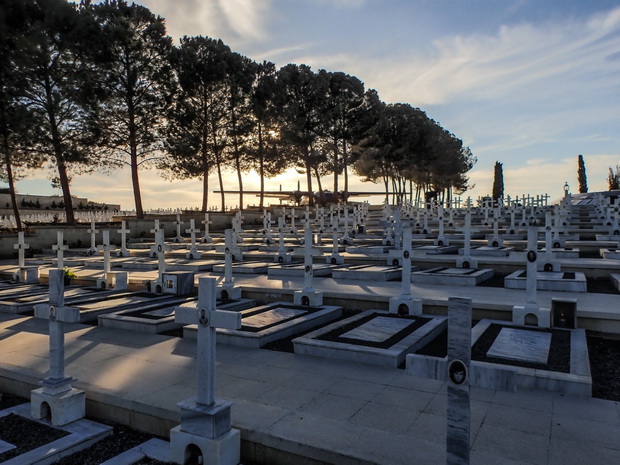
(228, 243)
(192, 231)
(267, 238)
(156, 228)
(281, 248)
(123, 252)
(308, 273)
(178, 224)
(60, 248)
(206, 222)
(21, 247)
(57, 314)
(160, 249)
(293, 229)
(106, 248)
(208, 319)
(93, 239)
(405, 289)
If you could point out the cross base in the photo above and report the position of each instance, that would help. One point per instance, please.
(346, 240)
(227, 292)
(64, 407)
(27, 274)
(223, 450)
(547, 262)
(113, 280)
(179, 239)
(193, 255)
(208, 421)
(495, 241)
(521, 313)
(308, 298)
(405, 305)
(92, 251)
(123, 253)
(207, 239)
(335, 259)
(466, 262)
(441, 242)
(283, 258)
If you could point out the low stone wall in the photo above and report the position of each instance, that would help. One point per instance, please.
(42, 237)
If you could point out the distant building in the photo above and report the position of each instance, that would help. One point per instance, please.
(39, 203)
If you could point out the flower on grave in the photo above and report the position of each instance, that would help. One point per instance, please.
(68, 273)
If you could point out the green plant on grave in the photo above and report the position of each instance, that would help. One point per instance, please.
(68, 273)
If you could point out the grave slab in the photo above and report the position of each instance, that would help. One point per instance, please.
(370, 272)
(577, 381)
(370, 349)
(267, 323)
(523, 345)
(452, 276)
(549, 281)
(298, 270)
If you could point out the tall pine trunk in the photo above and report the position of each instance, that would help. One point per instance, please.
(133, 163)
(11, 181)
(308, 175)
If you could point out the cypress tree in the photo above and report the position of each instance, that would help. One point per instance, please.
(498, 182)
(581, 176)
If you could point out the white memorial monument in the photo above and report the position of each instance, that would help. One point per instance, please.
(205, 434)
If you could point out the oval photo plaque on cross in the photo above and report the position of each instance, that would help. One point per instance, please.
(531, 256)
(457, 372)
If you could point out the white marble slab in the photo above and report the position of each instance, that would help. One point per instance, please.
(378, 329)
(271, 316)
(522, 345)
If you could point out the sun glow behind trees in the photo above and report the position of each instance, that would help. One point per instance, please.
(201, 108)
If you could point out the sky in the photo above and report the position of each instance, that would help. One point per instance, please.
(529, 83)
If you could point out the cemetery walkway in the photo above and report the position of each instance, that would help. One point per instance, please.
(334, 411)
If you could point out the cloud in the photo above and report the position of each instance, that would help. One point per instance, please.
(243, 20)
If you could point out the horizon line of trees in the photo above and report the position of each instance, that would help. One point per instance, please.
(87, 88)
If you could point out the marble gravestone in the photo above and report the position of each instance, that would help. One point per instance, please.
(110, 279)
(57, 397)
(205, 420)
(405, 303)
(27, 274)
(227, 290)
(193, 253)
(308, 296)
(123, 251)
(206, 238)
(60, 248)
(521, 345)
(531, 309)
(93, 238)
(461, 373)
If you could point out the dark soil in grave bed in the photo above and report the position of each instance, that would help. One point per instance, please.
(18, 431)
(601, 286)
(497, 280)
(605, 367)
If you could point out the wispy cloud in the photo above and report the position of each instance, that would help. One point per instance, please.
(242, 19)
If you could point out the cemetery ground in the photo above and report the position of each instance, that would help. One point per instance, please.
(330, 409)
